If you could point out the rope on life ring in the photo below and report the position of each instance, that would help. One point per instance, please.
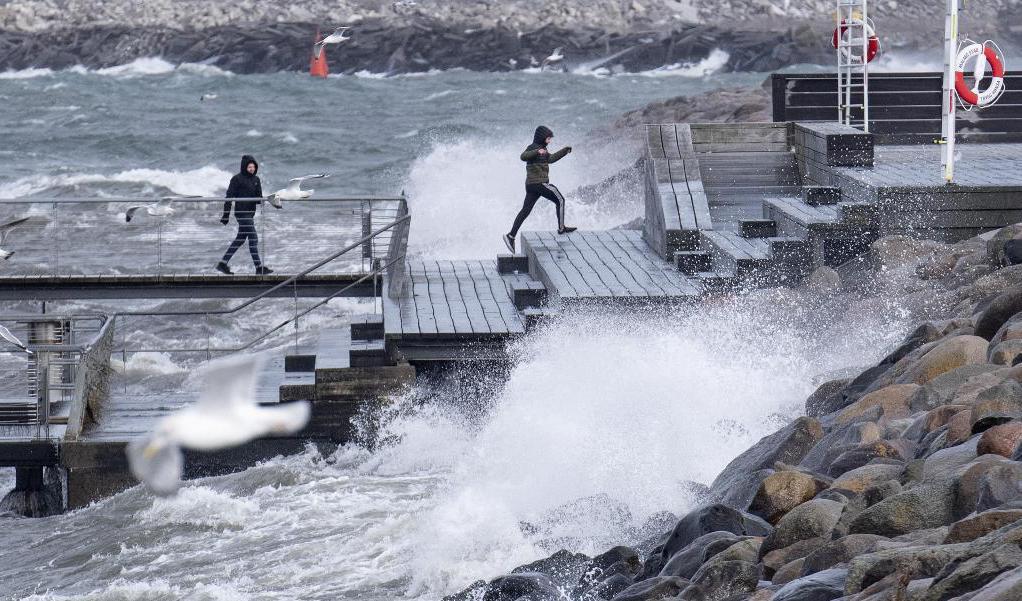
(984, 53)
(872, 44)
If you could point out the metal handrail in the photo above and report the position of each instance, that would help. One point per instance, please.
(183, 199)
(291, 280)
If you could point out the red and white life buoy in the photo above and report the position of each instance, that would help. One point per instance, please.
(974, 96)
(872, 41)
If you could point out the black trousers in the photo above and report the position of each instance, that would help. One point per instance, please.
(246, 231)
(533, 192)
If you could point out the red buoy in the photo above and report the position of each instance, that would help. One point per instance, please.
(317, 64)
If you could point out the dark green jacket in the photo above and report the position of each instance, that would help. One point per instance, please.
(537, 166)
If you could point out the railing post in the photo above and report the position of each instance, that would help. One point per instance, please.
(367, 229)
(56, 243)
(43, 398)
(159, 248)
(295, 288)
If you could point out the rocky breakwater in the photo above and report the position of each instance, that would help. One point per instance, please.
(902, 482)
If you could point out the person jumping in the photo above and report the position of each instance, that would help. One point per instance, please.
(244, 184)
(537, 183)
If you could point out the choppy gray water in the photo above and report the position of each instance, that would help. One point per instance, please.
(596, 430)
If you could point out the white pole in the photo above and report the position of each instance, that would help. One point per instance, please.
(949, 102)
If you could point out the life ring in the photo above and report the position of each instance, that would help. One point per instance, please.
(872, 44)
(996, 87)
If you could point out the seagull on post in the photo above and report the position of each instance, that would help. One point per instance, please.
(226, 415)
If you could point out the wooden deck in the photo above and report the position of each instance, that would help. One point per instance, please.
(604, 266)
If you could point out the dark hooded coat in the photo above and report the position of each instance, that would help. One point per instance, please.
(244, 185)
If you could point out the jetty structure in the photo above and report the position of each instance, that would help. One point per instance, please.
(726, 207)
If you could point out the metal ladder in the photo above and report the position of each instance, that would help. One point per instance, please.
(852, 66)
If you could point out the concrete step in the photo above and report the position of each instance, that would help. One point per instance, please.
(367, 326)
(712, 282)
(815, 196)
(368, 353)
(797, 219)
(299, 363)
(512, 264)
(528, 294)
(535, 317)
(691, 262)
(731, 253)
(757, 228)
(298, 386)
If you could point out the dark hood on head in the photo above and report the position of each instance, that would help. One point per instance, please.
(542, 133)
(245, 160)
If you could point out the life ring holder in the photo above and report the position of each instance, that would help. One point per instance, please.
(971, 98)
(872, 45)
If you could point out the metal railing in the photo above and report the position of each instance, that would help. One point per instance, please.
(90, 236)
(59, 379)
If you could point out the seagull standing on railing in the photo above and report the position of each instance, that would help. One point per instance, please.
(5, 230)
(226, 415)
(334, 38)
(11, 338)
(294, 191)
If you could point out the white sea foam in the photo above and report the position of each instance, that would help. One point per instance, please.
(710, 65)
(204, 181)
(905, 62)
(146, 364)
(30, 73)
(438, 95)
(141, 67)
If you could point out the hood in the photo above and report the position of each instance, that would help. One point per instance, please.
(245, 160)
(542, 133)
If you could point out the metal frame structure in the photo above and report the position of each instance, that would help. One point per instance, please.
(852, 16)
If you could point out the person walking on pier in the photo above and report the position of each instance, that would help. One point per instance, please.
(244, 184)
(537, 183)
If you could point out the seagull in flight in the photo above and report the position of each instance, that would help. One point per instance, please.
(5, 230)
(554, 58)
(225, 415)
(206, 97)
(294, 191)
(12, 339)
(334, 38)
(156, 209)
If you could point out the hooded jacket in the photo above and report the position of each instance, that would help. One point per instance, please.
(244, 185)
(537, 166)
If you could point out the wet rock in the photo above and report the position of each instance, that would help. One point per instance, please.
(743, 550)
(1006, 352)
(932, 420)
(999, 311)
(946, 356)
(687, 561)
(868, 476)
(981, 524)
(744, 490)
(1001, 440)
(971, 574)
(839, 440)
(824, 280)
(964, 382)
(997, 405)
(652, 589)
(839, 551)
(607, 588)
(789, 445)
(783, 491)
(788, 572)
(892, 252)
(722, 579)
(537, 587)
(827, 398)
(863, 454)
(563, 568)
(778, 558)
(970, 483)
(914, 562)
(892, 400)
(713, 518)
(1006, 587)
(822, 586)
(924, 506)
(995, 246)
(619, 561)
(812, 519)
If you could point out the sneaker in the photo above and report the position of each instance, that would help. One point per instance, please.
(566, 230)
(223, 268)
(263, 270)
(509, 242)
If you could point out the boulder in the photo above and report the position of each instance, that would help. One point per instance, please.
(823, 280)
(778, 558)
(788, 572)
(948, 355)
(942, 464)
(1006, 352)
(923, 506)
(607, 588)
(535, 586)
(932, 420)
(812, 519)
(712, 518)
(925, 334)
(863, 454)
(963, 382)
(841, 437)
(1006, 587)
(618, 561)
(997, 405)
(686, 562)
(958, 578)
(999, 311)
(563, 568)
(892, 252)
(970, 482)
(995, 246)
(1001, 440)
(959, 429)
(789, 445)
(892, 400)
(744, 489)
(981, 524)
(783, 491)
(827, 398)
(839, 551)
(913, 562)
(1011, 330)
(1001, 484)
(722, 579)
(652, 589)
(743, 550)
(867, 476)
(821, 586)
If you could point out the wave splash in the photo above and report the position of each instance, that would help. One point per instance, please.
(203, 181)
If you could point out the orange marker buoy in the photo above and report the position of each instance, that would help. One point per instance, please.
(317, 64)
